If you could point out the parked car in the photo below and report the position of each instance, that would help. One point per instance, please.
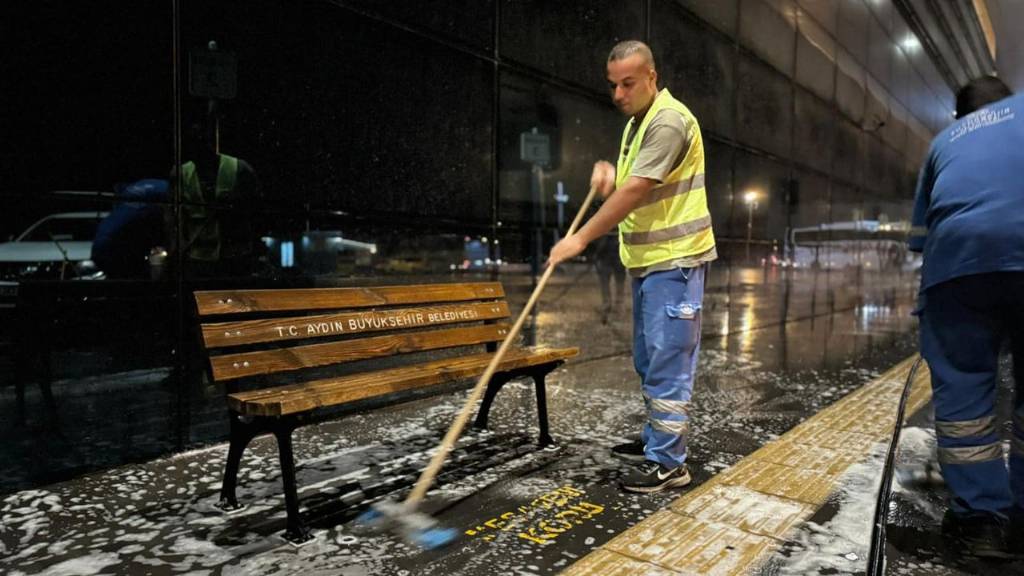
(56, 247)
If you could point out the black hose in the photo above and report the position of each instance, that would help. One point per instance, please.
(876, 554)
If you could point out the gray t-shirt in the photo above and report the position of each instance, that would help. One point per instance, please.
(663, 149)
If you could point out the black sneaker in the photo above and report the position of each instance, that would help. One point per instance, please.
(654, 478)
(632, 451)
(979, 534)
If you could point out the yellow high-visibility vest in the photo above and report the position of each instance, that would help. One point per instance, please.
(673, 221)
(202, 223)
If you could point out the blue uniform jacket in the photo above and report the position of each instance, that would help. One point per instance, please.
(969, 207)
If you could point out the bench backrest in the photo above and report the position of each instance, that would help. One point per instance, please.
(259, 332)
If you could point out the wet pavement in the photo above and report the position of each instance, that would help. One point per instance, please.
(915, 542)
(778, 346)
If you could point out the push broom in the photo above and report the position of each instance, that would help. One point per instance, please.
(419, 528)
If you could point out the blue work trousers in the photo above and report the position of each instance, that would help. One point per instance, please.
(666, 340)
(964, 322)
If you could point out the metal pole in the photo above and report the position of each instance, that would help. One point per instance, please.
(750, 226)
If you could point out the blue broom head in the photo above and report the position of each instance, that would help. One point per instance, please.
(370, 516)
(435, 537)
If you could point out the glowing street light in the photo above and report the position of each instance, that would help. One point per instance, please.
(910, 44)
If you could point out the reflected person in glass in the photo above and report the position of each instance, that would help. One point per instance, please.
(219, 194)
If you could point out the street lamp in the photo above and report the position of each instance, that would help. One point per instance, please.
(750, 199)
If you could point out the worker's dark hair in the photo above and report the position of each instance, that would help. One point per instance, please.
(627, 48)
(979, 92)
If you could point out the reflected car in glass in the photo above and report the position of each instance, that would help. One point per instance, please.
(57, 247)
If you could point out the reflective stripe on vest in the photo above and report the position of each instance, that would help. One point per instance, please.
(666, 191)
(679, 230)
(673, 221)
(202, 227)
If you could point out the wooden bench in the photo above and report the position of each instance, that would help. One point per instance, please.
(253, 336)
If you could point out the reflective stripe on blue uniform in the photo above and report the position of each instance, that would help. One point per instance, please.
(666, 341)
(963, 324)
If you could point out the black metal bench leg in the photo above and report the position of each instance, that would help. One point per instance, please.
(544, 439)
(493, 387)
(241, 434)
(296, 534)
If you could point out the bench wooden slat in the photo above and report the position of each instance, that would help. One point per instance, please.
(294, 398)
(224, 334)
(211, 302)
(231, 366)
(365, 377)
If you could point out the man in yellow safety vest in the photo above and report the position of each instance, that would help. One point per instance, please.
(218, 195)
(656, 196)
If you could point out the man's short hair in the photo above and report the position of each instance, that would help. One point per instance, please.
(979, 92)
(627, 48)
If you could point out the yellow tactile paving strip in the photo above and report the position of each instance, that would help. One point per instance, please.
(719, 528)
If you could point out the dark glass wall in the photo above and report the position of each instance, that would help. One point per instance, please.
(87, 109)
(383, 143)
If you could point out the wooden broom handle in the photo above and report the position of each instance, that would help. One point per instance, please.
(427, 477)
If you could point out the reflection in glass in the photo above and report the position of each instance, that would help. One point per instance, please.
(748, 322)
(57, 247)
(750, 200)
(128, 241)
(218, 193)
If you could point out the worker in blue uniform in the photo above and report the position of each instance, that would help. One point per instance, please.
(969, 223)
